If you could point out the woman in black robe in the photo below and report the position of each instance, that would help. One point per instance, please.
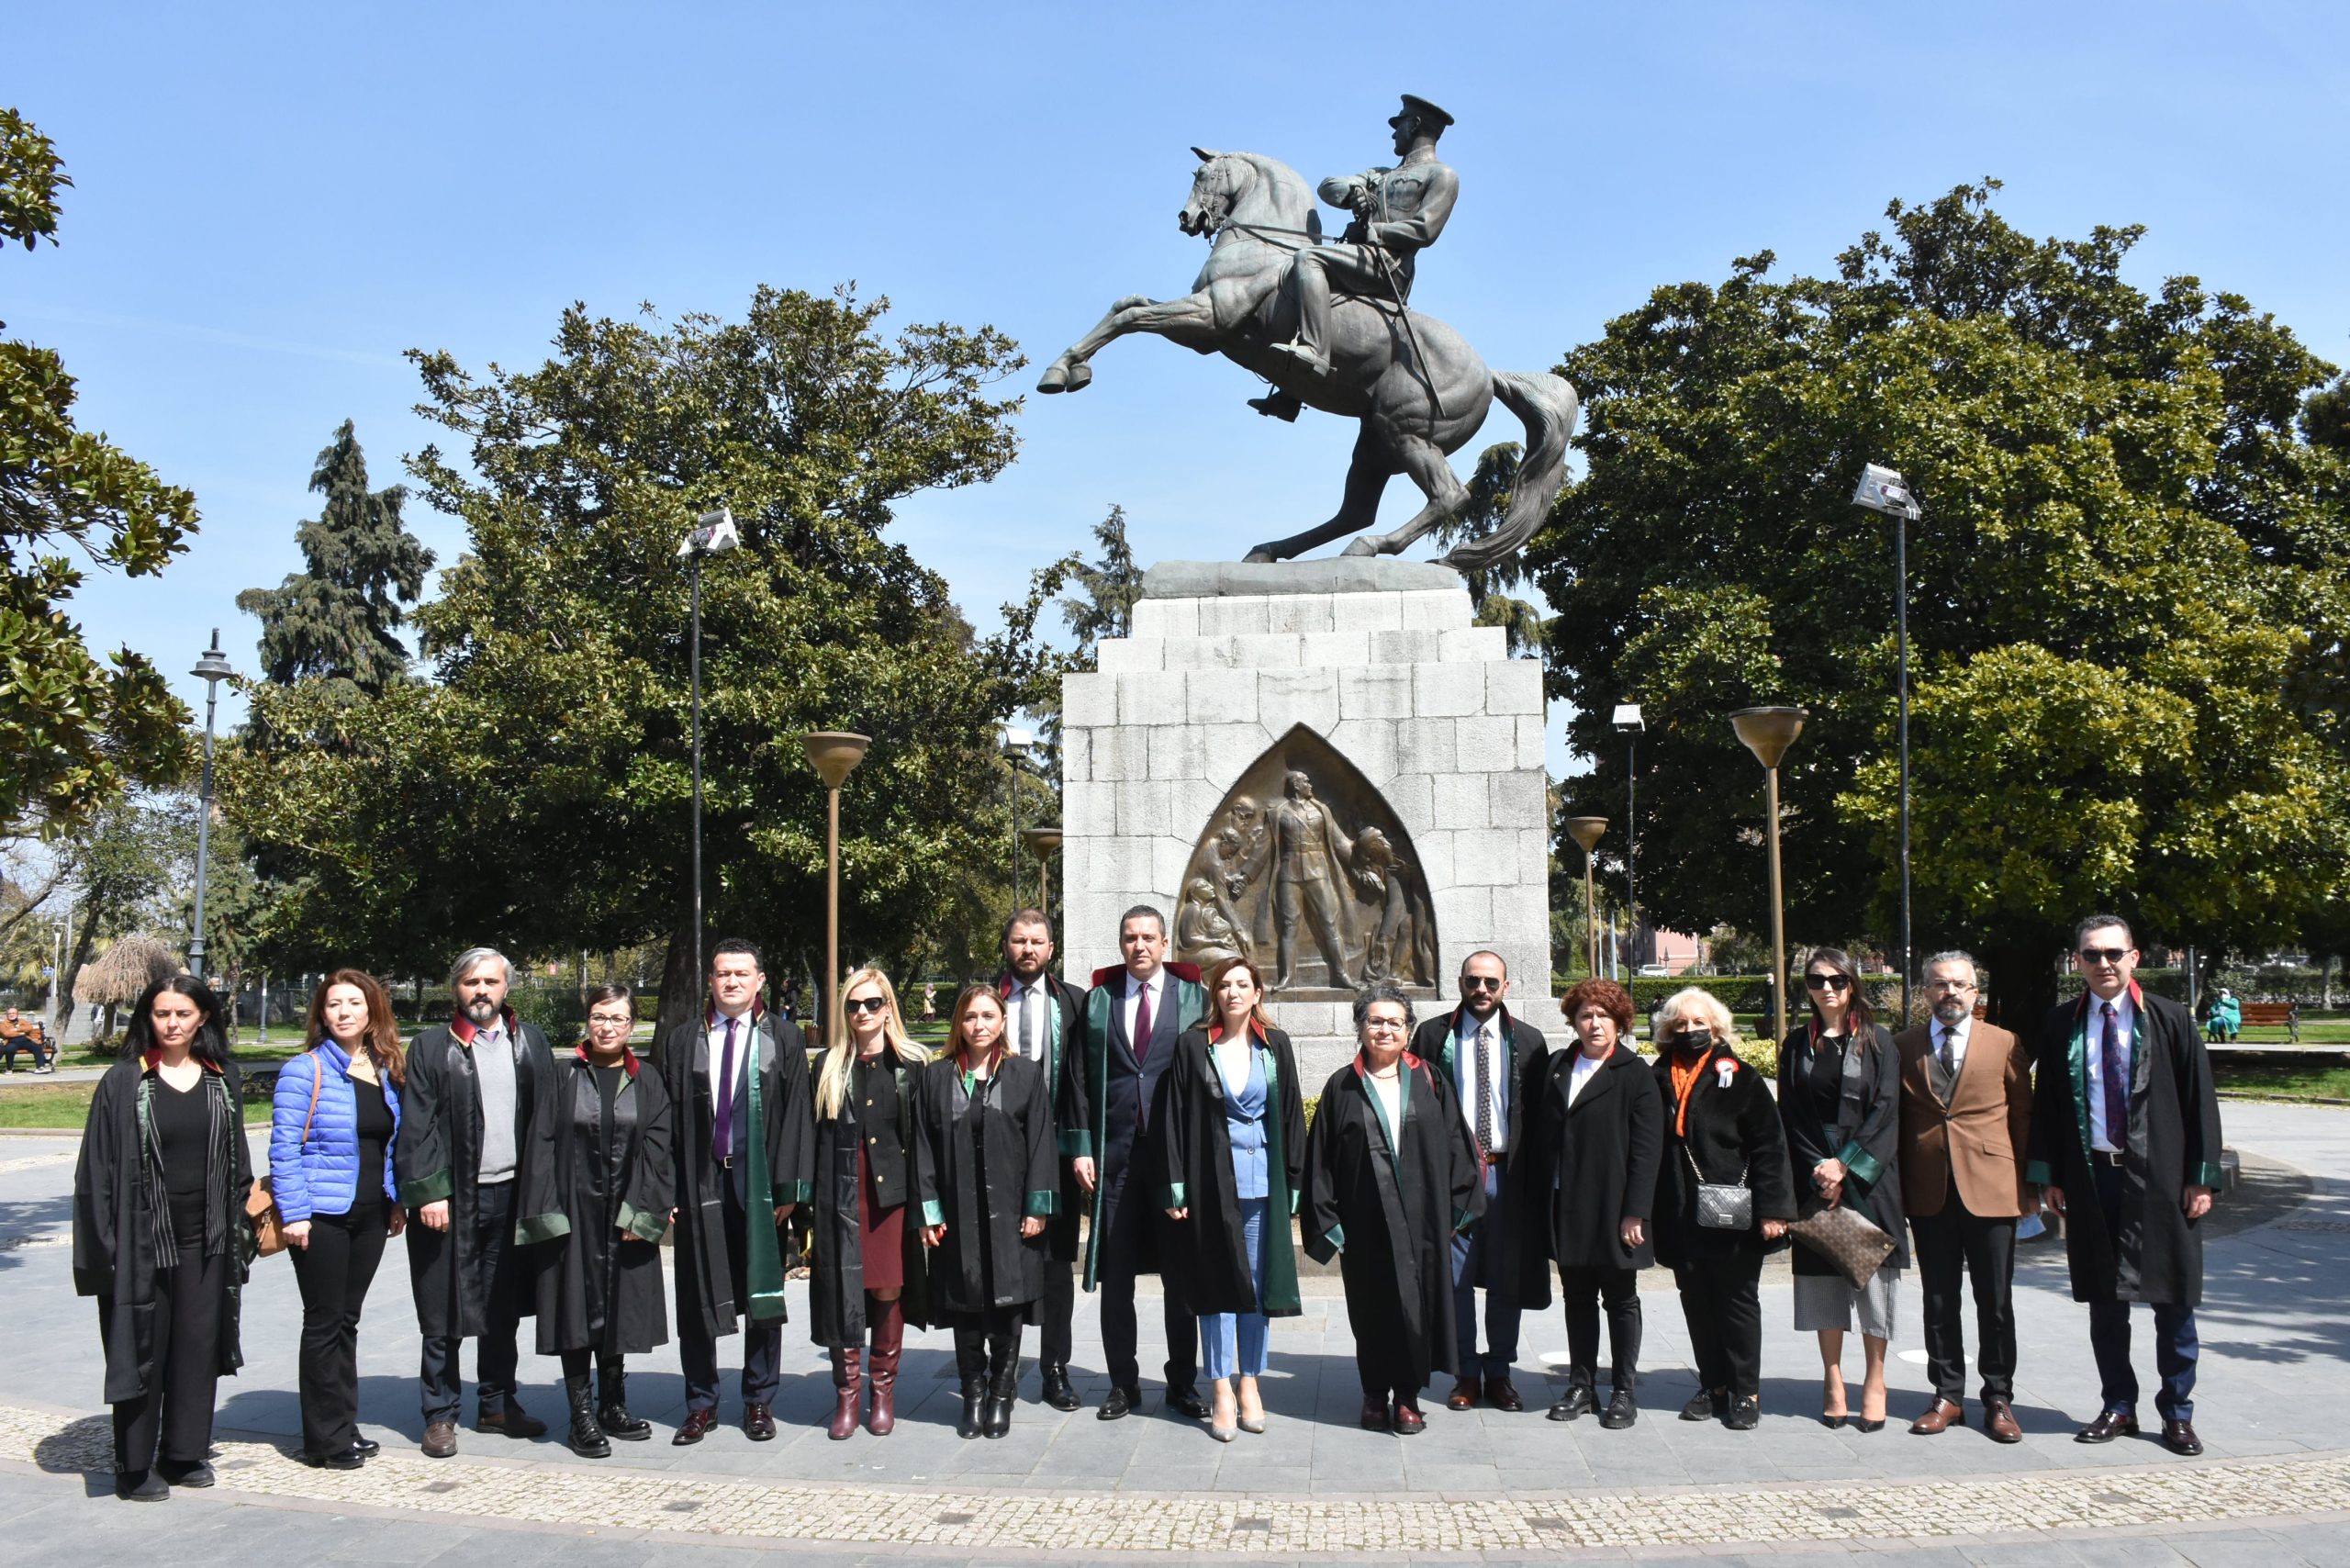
(160, 1233)
(1390, 1176)
(1721, 1128)
(599, 1289)
(1839, 1100)
(1594, 1143)
(866, 1261)
(986, 1179)
(1233, 1134)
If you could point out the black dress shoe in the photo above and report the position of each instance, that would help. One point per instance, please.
(1576, 1401)
(365, 1448)
(1374, 1412)
(1118, 1402)
(758, 1422)
(697, 1426)
(1621, 1412)
(2108, 1424)
(141, 1486)
(1057, 1391)
(1705, 1405)
(2180, 1438)
(347, 1459)
(194, 1473)
(1745, 1412)
(1187, 1401)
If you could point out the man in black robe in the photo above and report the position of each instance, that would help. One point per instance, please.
(1044, 1020)
(476, 1162)
(2125, 1142)
(1494, 1064)
(739, 1176)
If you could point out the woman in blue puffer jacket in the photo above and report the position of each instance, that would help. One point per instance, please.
(333, 1121)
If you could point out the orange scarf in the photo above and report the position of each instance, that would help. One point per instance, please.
(1684, 1085)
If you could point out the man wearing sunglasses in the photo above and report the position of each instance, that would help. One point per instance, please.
(2125, 1140)
(1966, 1124)
(1496, 1064)
(1045, 1016)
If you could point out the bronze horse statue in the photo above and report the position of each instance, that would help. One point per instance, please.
(1419, 391)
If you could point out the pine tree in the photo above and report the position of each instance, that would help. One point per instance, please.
(341, 618)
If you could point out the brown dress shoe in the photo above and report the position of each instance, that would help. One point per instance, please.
(2108, 1424)
(1375, 1413)
(1503, 1396)
(758, 1422)
(1942, 1415)
(1463, 1396)
(2180, 1438)
(697, 1426)
(440, 1439)
(2000, 1422)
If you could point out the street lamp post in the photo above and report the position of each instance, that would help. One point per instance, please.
(834, 753)
(1629, 722)
(1883, 490)
(214, 667)
(1768, 733)
(1586, 831)
(713, 534)
(1016, 742)
(1042, 842)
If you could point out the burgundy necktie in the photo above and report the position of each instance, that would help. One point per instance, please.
(722, 1146)
(2117, 1084)
(1142, 1024)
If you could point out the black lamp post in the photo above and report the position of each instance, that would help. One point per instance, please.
(214, 667)
(713, 534)
(1883, 490)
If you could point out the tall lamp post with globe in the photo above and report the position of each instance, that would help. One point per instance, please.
(1768, 733)
(213, 667)
(834, 753)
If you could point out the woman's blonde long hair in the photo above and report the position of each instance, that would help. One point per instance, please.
(840, 1049)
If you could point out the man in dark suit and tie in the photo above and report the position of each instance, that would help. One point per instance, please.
(1965, 1117)
(1044, 1019)
(1132, 1015)
(1496, 1063)
(2125, 1140)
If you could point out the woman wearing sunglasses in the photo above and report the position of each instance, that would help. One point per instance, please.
(1840, 1098)
(866, 1259)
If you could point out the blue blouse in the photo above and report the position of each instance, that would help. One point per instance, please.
(1244, 1123)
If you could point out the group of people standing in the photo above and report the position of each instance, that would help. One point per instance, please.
(1450, 1156)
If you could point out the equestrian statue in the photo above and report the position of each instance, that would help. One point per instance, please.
(1330, 325)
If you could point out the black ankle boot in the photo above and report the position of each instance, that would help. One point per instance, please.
(1003, 1385)
(587, 1438)
(974, 1392)
(611, 1404)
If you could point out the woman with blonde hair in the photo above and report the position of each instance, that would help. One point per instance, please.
(868, 1265)
(1724, 1197)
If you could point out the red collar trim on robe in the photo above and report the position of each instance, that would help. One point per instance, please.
(2137, 1000)
(152, 1057)
(1215, 1031)
(1109, 972)
(627, 1059)
(463, 1027)
(1410, 1063)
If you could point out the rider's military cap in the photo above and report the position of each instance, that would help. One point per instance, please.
(1413, 101)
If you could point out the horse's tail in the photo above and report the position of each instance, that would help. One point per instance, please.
(1547, 406)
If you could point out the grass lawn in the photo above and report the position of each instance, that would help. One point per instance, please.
(67, 1106)
(2329, 1080)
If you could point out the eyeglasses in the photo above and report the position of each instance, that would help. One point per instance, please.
(864, 1004)
(1950, 985)
(1482, 983)
(2104, 954)
(599, 1022)
(1828, 982)
(1384, 1026)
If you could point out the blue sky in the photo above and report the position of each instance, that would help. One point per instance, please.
(271, 203)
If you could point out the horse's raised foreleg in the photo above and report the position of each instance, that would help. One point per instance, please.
(1366, 477)
(1424, 461)
(1188, 320)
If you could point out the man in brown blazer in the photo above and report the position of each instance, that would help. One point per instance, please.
(1965, 1117)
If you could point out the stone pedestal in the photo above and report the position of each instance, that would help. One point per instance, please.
(1378, 659)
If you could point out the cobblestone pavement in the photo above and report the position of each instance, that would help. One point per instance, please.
(2271, 1490)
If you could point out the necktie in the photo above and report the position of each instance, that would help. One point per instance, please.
(722, 1146)
(1028, 1041)
(1485, 1091)
(1950, 1069)
(2117, 1083)
(1142, 1024)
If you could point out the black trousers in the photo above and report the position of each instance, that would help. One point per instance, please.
(494, 1260)
(1115, 1265)
(1054, 1311)
(176, 1409)
(1585, 1292)
(1721, 1299)
(1949, 1244)
(334, 1271)
(762, 1342)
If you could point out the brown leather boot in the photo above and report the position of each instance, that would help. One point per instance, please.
(848, 1390)
(888, 1342)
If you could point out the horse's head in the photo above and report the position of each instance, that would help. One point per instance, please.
(1215, 186)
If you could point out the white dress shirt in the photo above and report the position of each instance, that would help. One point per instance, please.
(2125, 1023)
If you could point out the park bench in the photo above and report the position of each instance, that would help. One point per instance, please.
(2270, 1015)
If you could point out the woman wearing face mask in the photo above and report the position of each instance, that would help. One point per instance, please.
(160, 1234)
(1234, 1133)
(1839, 1100)
(987, 1178)
(332, 1121)
(1721, 1130)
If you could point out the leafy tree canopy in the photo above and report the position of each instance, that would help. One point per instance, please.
(2123, 596)
(537, 792)
(74, 732)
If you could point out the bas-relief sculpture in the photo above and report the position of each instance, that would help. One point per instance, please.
(1304, 869)
(1330, 326)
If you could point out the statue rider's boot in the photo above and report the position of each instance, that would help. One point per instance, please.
(1278, 405)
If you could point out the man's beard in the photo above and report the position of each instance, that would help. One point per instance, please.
(481, 1010)
(1952, 1012)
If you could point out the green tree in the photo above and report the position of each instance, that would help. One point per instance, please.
(2121, 597)
(123, 860)
(537, 792)
(74, 732)
(340, 619)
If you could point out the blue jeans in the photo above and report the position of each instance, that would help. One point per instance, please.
(2176, 1345)
(1474, 1264)
(1234, 1341)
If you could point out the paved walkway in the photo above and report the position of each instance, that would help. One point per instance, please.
(2275, 1487)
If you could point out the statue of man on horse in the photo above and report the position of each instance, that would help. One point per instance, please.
(1331, 327)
